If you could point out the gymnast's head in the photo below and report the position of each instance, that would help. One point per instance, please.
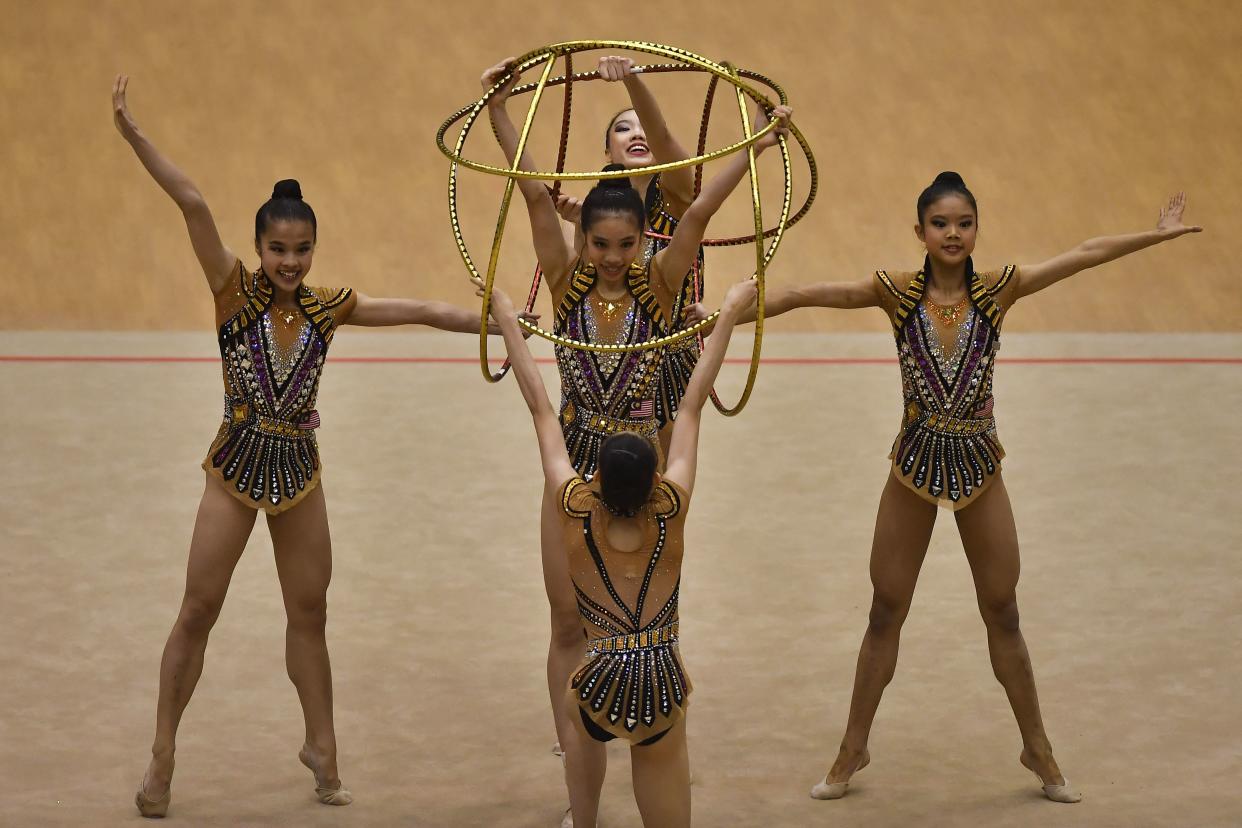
(626, 469)
(612, 226)
(284, 235)
(948, 220)
(625, 143)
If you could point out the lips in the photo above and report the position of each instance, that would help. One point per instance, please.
(952, 248)
(638, 149)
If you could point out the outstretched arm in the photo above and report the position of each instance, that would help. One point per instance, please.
(372, 312)
(846, 295)
(1097, 251)
(216, 259)
(556, 466)
(683, 450)
(678, 185)
(545, 225)
(673, 262)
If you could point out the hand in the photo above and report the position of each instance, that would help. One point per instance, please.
(693, 314)
(493, 75)
(531, 318)
(616, 68)
(569, 208)
(780, 114)
(741, 296)
(1170, 223)
(120, 110)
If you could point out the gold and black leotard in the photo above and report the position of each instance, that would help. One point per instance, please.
(604, 393)
(631, 683)
(948, 451)
(265, 451)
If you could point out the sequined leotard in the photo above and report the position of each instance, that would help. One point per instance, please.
(947, 451)
(265, 452)
(604, 393)
(631, 683)
(680, 358)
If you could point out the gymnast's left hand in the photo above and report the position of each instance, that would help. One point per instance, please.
(694, 314)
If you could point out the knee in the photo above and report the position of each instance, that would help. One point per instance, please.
(198, 615)
(308, 613)
(1000, 615)
(886, 615)
(567, 629)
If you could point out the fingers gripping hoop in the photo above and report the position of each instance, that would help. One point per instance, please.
(687, 62)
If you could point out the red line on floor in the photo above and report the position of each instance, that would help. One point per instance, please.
(140, 360)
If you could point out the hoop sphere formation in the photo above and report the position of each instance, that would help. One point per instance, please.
(687, 61)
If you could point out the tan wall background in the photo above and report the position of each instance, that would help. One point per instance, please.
(1068, 119)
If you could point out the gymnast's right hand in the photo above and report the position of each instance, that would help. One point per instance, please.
(120, 110)
(494, 74)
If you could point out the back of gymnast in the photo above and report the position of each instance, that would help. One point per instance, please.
(622, 536)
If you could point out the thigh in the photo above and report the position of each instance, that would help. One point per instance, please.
(990, 539)
(556, 578)
(221, 529)
(903, 527)
(303, 548)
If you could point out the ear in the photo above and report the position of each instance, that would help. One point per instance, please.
(256, 248)
(918, 231)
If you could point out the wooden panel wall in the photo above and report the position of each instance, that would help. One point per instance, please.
(1068, 119)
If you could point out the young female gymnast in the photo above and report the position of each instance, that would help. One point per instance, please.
(602, 292)
(274, 333)
(622, 535)
(635, 138)
(947, 319)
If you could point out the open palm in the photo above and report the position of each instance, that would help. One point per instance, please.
(1170, 222)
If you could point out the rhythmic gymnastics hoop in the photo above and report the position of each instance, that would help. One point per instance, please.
(688, 62)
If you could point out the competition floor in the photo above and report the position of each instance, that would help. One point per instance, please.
(1123, 467)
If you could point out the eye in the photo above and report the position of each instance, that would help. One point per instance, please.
(968, 223)
(938, 223)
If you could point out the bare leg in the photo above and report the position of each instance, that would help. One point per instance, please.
(661, 774)
(568, 644)
(903, 528)
(220, 532)
(586, 775)
(303, 550)
(991, 542)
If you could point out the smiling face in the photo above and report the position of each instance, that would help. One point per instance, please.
(627, 143)
(285, 250)
(612, 245)
(948, 229)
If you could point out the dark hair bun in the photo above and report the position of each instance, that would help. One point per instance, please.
(949, 179)
(615, 183)
(287, 188)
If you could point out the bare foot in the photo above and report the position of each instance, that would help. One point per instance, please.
(1044, 767)
(848, 763)
(158, 778)
(328, 785)
(1058, 789)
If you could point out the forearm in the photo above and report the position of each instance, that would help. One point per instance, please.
(708, 366)
(171, 179)
(662, 143)
(525, 370)
(507, 136)
(1103, 249)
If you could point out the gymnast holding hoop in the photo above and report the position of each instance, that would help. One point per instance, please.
(602, 292)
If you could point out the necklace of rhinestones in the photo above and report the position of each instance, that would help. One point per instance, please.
(947, 315)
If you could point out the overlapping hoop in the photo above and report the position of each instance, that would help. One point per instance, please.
(688, 62)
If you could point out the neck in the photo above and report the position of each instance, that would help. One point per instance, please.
(947, 279)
